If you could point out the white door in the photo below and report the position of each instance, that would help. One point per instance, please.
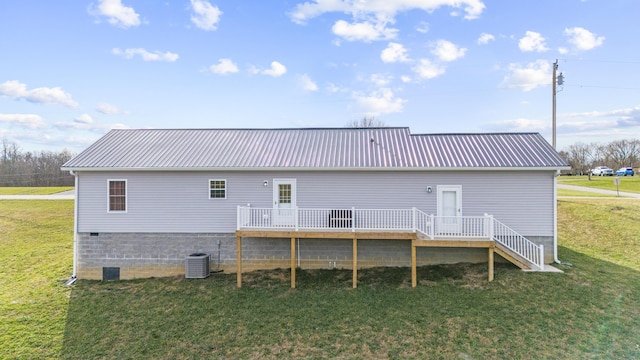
(449, 209)
(284, 202)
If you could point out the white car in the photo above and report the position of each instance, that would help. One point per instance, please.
(602, 171)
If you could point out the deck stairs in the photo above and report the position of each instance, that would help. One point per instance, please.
(514, 258)
(505, 241)
(499, 248)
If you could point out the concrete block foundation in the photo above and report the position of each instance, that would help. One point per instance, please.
(143, 255)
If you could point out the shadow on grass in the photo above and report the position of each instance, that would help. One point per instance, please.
(590, 311)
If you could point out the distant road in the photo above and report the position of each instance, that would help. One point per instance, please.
(65, 195)
(598, 191)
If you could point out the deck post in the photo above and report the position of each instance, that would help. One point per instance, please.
(491, 264)
(413, 219)
(541, 265)
(355, 262)
(433, 227)
(293, 262)
(239, 260)
(414, 272)
(238, 221)
(489, 225)
(353, 219)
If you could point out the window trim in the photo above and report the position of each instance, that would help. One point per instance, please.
(126, 196)
(226, 189)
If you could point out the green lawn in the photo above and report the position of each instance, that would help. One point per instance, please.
(564, 192)
(36, 256)
(590, 311)
(33, 190)
(627, 183)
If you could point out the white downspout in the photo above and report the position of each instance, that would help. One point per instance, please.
(75, 231)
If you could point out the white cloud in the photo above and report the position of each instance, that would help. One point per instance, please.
(583, 39)
(381, 80)
(276, 70)
(116, 13)
(107, 109)
(85, 122)
(206, 16)
(623, 113)
(380, 9)
(405, 79)
(363, 31)
(224, 66)
(42, 95)
(532, 41)
(426, 69)
(84, 119)
(423, 27)
(306, 83)
(333, 88)
(146, 55)
(563, 50)
(29, 121)
(485, 38)
(524, 125)
(394, 53)
(528, 77)
(447, 51)
(381, 101)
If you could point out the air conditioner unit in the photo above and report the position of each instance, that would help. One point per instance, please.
(197, 266)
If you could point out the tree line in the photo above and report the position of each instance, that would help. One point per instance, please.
(20, 168)
(616, 154)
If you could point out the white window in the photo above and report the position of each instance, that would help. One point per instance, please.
(217, 189)
(117, 190)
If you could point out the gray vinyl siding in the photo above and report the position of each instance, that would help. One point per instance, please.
(179, 202)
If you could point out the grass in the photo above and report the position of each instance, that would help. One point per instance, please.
(627, 183)
(33, 190)
(605, 229)
(591, 311)
(36, 256)
(573, 193)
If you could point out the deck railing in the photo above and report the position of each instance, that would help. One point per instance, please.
(517, 243)
(329, 219)
(352, 219)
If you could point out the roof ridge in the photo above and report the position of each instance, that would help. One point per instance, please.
(266, 129)
(479, 133)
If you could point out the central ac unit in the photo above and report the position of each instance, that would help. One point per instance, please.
(197, 266)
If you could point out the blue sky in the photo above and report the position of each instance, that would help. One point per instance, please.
(70, 70)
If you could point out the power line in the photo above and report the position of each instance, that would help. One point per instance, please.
(604, 87)
(602, 61)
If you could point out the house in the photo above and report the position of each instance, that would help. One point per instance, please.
(268, 198)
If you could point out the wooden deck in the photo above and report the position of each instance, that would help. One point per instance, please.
(354, 236)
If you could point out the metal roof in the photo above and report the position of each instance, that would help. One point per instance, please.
(320, 148)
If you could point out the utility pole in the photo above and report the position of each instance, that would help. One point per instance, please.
(559, 80)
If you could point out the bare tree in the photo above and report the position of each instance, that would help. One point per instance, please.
(19, 168)
(623, 152)
(580, 157)
(616, 154)
(366, 122)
